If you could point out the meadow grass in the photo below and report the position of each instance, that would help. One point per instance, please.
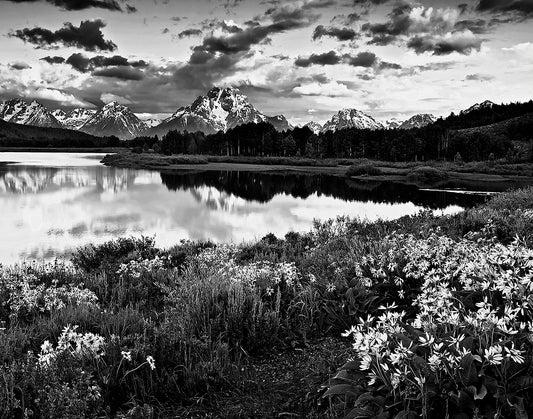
(438, 309)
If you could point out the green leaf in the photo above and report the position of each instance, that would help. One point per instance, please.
(465, 401)
(523, 383)
(341, 389)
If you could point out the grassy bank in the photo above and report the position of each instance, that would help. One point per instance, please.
(348, 167)
(438, 311)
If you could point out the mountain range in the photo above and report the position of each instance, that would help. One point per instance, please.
(219, 110)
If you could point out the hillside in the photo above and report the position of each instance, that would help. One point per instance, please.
(519, 128)
(32, 136)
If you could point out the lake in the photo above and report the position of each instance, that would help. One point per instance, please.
(51, 203)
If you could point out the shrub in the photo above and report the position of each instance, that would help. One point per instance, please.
(363, 169)
(426, 174)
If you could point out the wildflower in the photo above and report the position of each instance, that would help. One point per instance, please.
(126, 355)
(514, 354)
(331, 287)
(269, 291)
(151, 362)
(426, 340)
(493, 355)
(365, 363)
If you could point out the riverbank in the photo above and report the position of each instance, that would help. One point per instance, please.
(256, 330)
(407, 172)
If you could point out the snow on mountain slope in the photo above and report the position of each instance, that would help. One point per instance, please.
(314, 126)
(418, 121)
(484, 104)
(219, 110)
(20, 112)
(114, 119)
(279, 122)
(351, 118)
(75, 118)
(392, 123)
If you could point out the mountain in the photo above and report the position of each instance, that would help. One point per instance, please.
(11, 107)
(152, 122)
(75, 118)
(279, 122)
(20, 112)
(12, 135)
(418, 121)
(219, 110)
(314, 126)
(392, 123)
(351, 118)
(114, 119)
(483, 105)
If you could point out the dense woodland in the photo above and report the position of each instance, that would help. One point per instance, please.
(509, 133)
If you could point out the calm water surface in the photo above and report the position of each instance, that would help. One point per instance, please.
(51, 203)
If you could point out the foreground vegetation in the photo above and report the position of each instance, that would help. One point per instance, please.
(437, 311)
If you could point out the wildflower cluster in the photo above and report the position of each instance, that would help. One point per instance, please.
(79, 345)
(24, 293)
(265, 275)
(134, 269)
(470, 331)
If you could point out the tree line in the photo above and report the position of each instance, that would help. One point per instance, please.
(443, 140)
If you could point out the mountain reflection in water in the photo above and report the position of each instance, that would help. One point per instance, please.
(48, 211)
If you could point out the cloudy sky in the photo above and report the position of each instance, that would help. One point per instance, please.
(305, 59)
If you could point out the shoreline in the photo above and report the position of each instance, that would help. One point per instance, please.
(390, 171)
(102, 150)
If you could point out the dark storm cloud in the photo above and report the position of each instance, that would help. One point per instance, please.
(327, 58)
(479, 77)
(398, 24)
(219, 56)
(189, 32)
(53, 60)
(362, 59)
(85, 64)
(342, 34)
(522, 8)
(477, 26)
(19, 65)
(444, 46)
(368, 2)
(83, 4)
(87, 36)
(122, 73)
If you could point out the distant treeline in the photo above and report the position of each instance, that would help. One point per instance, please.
(16, 135)
(448, 139)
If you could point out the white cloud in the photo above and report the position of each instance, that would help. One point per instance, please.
(332, 89)
(110, 97)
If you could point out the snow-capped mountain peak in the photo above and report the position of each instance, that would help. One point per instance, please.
(11, 107)
(20, 112)
(351, 118)
(392, 123)
(219, 110)
(314, 126)
(114, 119)
(75, 118)
(482, 105)
(418, 121)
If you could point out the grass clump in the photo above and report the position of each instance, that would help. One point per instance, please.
(363, 169)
